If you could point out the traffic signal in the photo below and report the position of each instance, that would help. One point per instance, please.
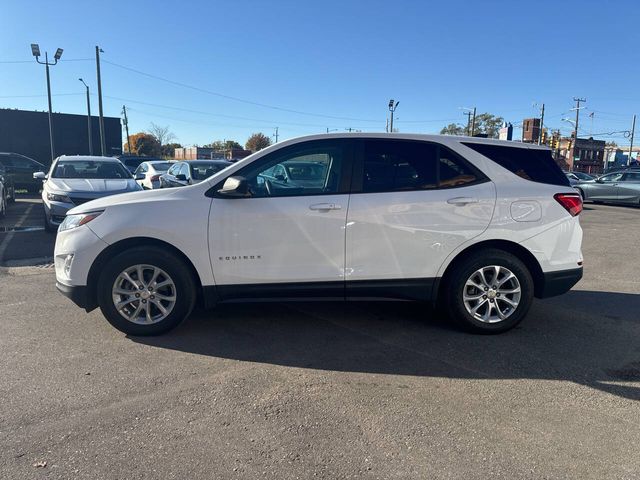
(544, 137)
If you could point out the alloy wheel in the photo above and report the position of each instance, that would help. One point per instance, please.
(491, 294)
(144, 294)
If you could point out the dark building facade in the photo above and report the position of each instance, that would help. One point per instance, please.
(530, 130)
(27, 132)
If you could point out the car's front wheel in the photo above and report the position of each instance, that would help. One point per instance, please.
(146, 291)
(488, 292)
(3, 204)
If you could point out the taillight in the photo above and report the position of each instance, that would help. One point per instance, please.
(572, 202)
(155, 178)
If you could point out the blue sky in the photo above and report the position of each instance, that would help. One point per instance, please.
(308, 66)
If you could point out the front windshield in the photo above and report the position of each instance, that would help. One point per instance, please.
(202, 170)
(90, 169)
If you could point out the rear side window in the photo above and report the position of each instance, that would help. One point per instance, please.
(536, 165)
(396, 165)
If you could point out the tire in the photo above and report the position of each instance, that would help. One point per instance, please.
(47, 225)
(112, 280)
(581, 192)
(502, 314)
(3, 204)
(12, 196)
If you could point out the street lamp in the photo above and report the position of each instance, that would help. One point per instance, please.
(392, 108)
(88, 118)
(35, 51)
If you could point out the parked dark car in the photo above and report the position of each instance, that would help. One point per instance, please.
(191, 172)
(21, 169)
(133, 161)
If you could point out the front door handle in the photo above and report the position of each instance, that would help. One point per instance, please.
(325, 206)
(462, 200)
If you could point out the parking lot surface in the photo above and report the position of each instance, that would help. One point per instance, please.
(326, 390)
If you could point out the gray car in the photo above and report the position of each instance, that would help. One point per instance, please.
(622, 186)
(74, 180)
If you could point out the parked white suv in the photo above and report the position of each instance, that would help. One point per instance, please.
(477, 226)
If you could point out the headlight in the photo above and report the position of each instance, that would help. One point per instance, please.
(73, 221)
(56, 197)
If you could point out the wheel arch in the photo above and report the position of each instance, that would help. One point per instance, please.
(126, 244)
(517, 250)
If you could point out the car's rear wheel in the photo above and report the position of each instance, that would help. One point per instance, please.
(3, 204)
(489, 292)
(48, 227)
(146, 291)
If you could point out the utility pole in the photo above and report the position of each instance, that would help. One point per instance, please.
(35, 50)
(575, 130)
(126, 127)
(541, 125)
(88, 119)
(276, 134)
(468, 114)
(473, 123)
(103, 147)
(633, 131)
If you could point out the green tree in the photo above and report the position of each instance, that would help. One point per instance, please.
(486, 124)
(169, 150)
(257, 141)
(143, 143)
(453, 129)
(221, 145)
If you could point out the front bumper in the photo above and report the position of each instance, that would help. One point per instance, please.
(80, 295)
(557, 283)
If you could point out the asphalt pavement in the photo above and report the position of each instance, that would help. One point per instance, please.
(327, 390)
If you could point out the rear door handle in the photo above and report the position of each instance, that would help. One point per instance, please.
(325, 206)
(462, 200)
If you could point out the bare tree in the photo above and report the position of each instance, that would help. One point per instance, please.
(162, 134)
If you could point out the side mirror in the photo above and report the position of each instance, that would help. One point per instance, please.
(182, 177)
(599, 180)
(235, 187)
(139, 176)
(281, 178)
(39, 175)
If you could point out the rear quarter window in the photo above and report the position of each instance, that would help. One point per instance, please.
(536, 165)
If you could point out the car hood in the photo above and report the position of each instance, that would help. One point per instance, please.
(93, 185)
(142, 196)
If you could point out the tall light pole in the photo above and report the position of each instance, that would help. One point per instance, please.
(35, 50)
(103, 147)
(392, 108)
(88, 118)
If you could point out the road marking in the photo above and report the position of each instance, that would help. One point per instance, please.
(9, 237)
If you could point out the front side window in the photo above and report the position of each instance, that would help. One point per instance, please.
(184, 170)
(174, 169)
(306, 169)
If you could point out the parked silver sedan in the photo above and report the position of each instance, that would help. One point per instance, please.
(622, 186)
(73, 180)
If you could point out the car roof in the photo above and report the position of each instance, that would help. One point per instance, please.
(87, 158)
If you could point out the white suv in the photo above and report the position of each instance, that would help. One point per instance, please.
(478, 227)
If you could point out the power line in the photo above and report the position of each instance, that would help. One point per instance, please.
(236, 99)
(61, 60)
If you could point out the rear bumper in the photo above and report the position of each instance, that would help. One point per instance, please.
(79, 295)
(557, 283)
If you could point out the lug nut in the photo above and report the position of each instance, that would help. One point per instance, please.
(486, 288)
(497, 294)
(137, 295)
(153, 297)
(491, 300)
(144, 301)
(484, 296)
(140, 287)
